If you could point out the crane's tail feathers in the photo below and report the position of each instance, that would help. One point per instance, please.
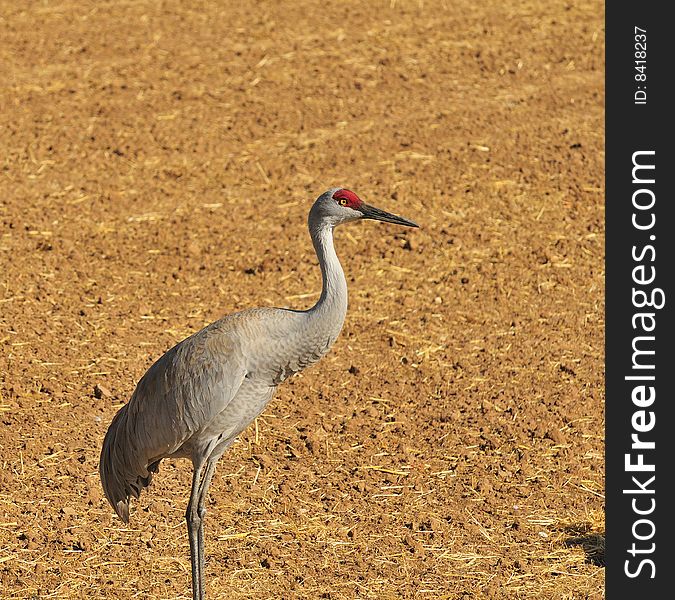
(122, 510)
(122, 472)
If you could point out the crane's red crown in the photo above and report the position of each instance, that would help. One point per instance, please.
(347, 198)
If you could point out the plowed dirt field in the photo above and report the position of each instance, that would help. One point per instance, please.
(158, 162)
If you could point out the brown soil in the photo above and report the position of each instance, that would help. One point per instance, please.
(158, 163)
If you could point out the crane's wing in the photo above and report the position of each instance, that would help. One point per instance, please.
(179, 395)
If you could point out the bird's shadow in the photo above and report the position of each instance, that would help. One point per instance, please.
(592, 542)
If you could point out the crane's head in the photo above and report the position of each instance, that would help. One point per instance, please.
(339, 205)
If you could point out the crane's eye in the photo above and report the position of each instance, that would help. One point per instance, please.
(343, 201)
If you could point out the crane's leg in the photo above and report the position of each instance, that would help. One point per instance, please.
(194, 527)
(196, 511)
(201, 511)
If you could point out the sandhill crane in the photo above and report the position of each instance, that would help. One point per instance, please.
(202, 393)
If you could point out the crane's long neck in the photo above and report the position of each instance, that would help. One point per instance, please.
(331, 307)
(312, 332)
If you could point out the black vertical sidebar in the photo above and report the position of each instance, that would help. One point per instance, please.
(640, 361)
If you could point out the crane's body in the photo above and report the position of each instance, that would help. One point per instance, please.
(201, 394)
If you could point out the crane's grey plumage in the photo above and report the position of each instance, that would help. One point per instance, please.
(202, 393)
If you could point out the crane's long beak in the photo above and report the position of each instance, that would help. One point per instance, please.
(370, 212)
